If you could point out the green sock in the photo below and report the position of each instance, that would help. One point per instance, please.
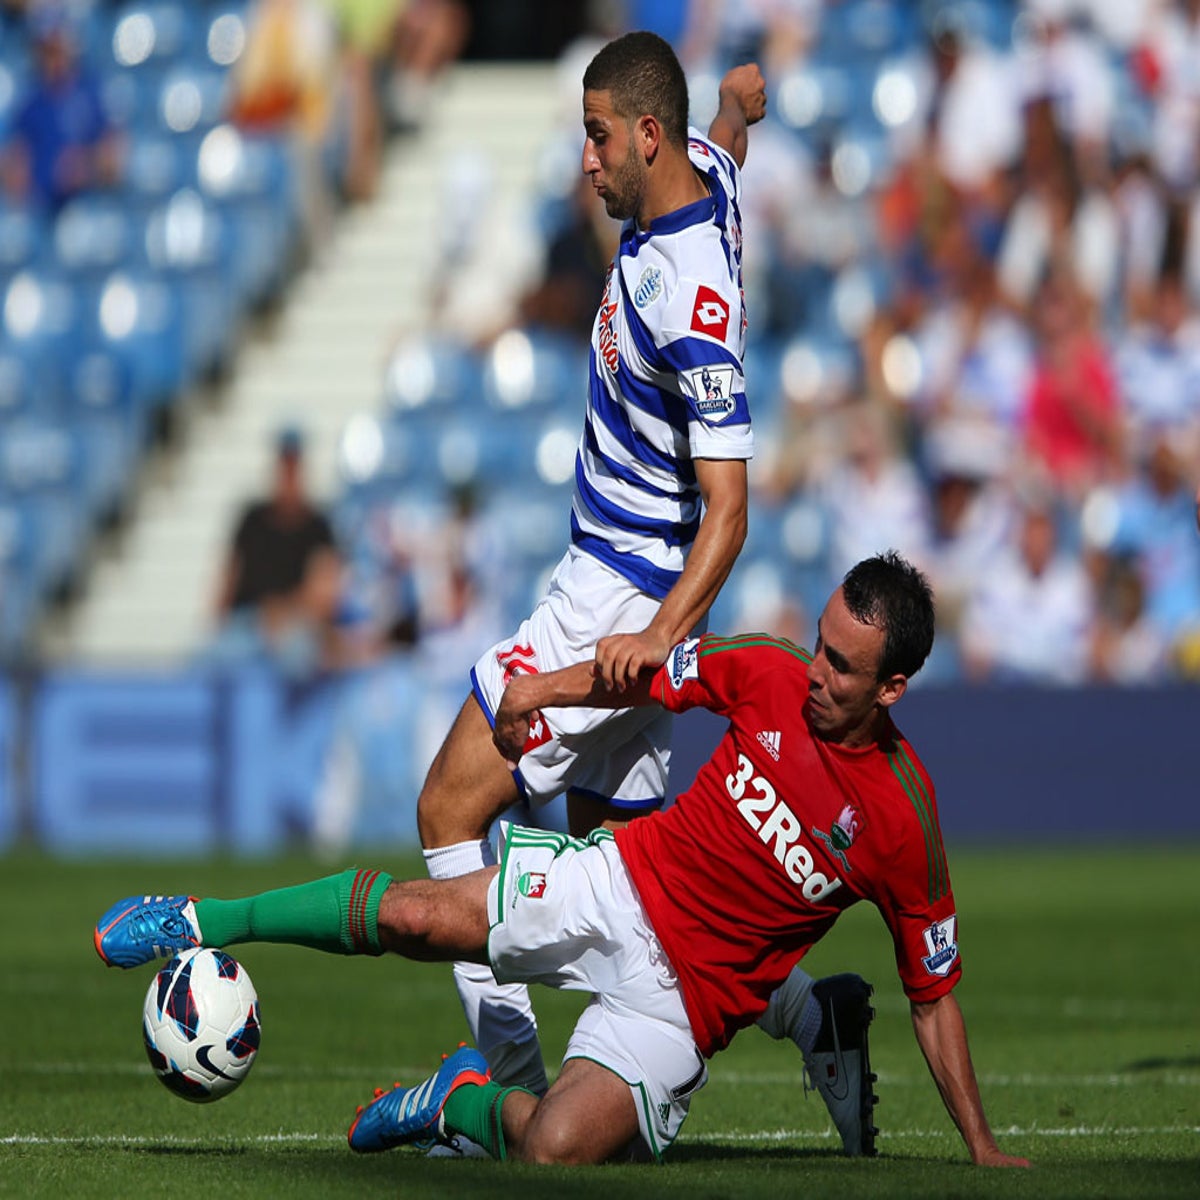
(339, 913)
(474, 1111)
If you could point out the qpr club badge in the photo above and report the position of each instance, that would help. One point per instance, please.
(649, 287)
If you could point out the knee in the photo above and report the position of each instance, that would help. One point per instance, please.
(548, 1143)
(446, 817)
(440, 822)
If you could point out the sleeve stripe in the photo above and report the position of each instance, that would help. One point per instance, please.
(914, 787)
(712, 644)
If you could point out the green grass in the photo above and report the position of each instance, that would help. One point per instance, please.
(1081, 992)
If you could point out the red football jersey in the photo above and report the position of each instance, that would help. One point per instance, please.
(778, 834)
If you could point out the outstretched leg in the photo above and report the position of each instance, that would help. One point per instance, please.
(354, 912)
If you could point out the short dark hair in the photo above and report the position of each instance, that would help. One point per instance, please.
(890, 593)
(643, 75)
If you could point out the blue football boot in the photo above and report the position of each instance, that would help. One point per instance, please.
(413, 1116)
(142, 928)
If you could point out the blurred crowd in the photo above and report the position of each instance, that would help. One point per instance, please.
(339, 76)
(972, 270)
(972, 274)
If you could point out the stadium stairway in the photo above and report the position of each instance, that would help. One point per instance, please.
(320, 361)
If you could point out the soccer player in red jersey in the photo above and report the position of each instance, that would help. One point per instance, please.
(687, 925)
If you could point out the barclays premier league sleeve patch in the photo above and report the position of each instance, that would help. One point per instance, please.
(683, 663)
(941, 941)
(711, 388)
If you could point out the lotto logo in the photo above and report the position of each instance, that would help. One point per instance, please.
(710, 314)
(539, 732)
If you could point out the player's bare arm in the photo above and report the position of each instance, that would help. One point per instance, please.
(742, 103)
(568, 687)
(942, 1036)
(622, 657)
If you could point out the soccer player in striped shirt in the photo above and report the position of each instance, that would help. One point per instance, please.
(660, 506)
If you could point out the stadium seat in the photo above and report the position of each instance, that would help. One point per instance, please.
(221, 32)
(40, 471)
(24, 236)
(252, 182)
(157, 165)
(192, 98)
(139, 316)
(431, 372)
(18, 596)
(31, 380)
(150, 36)
(112, 426)
(187, 243)
(526, 368)
(93, 235)
(42, 318)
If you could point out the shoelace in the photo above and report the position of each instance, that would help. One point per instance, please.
(147, 925)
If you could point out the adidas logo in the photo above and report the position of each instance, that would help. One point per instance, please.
(770, 742)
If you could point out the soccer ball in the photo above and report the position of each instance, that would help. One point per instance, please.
(201, 1024)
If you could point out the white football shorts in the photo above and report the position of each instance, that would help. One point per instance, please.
(564, 913)
(619, 756)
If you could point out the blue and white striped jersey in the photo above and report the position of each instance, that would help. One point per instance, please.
(665, 382)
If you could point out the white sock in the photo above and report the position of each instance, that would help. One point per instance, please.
(449, 862)
(793, 1012)
(499, 1015)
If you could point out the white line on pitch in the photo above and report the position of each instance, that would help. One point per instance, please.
(1189, 1079)
(727, 1136)
(893, 1079)
(1073, 1131)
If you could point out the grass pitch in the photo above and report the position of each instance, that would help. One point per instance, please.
(1081, 993)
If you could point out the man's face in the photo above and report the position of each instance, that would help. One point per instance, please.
(843, 684)
(610, 157)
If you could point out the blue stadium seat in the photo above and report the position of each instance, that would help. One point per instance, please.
(139, 317)
(856, 33)
(527, 369)
(18, 594)
(814, 99)
(14, 70)
(252, 182)
(112, 427)
(221, 32)
(377, 457)
(40, 470)
(31, 380)
(130, 98)
(93, 235)
(187, 243)
(192, 98)
(431, 373)
(42, 323)
(532, 525)
(24, 236)
(157, 165)
(151, 36)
